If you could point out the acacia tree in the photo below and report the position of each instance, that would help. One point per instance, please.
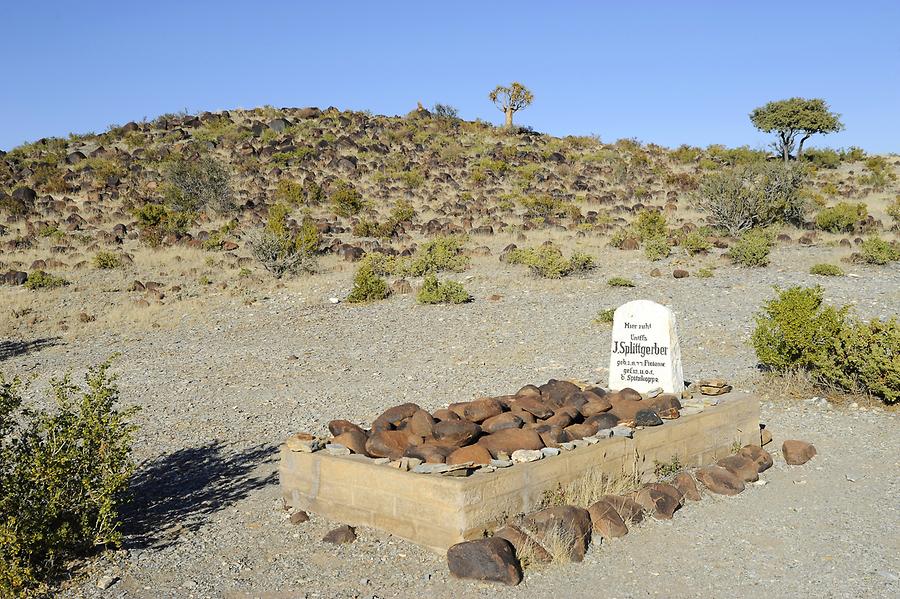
(511, 99)
(794, 117)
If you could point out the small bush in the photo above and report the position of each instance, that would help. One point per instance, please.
(605, 316)
(795, 331)
(105, 260)
(282, 251)
(650, 224)
(38, 279)
(402, 212)
(445, 111)
(823, 158)
(156, 221)
(440, 254)
(367, 285)
(705, 272)
(289, 192)
(620, 282)
(442, 292)
(752, 248)
(657, 248)
(548, 261)
(197, 185)
(875, 250)
(63, 476)
(346, 201)
(879, 173)
(548, 206)
(826, 270)
(893, 210)
(756, 195)
(841, 217)
(694, 243)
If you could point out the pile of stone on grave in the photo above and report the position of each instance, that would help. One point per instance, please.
(496, 432)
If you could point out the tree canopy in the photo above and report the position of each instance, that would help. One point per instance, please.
(793, 117)
(511, 99)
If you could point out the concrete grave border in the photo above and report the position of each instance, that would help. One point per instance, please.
(437, 511)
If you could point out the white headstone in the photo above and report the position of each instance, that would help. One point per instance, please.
(645, 354)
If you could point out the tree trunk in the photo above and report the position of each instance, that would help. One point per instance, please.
(509, 113)
(785, 149)
(800, 147)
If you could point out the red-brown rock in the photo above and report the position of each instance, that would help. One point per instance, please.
(477, 454)
(456, 432)
(500, 422)
(759, 455)
(743, 468)
(580, 431)
(511, 439)
(388, 444)
(490, 560)
(629, 510)
(567, 523)
(523, 544)
(797, 453)
(606, 520)
(478, 410)
(720, 480)
(661, 505)
(595, 407)
(353, 440)
(421, 424)
(685, 483)
(535, 406)
(392, 417)
(337, 427)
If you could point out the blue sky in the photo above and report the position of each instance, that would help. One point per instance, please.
(664, 72)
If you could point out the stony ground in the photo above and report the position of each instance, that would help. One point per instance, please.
(221, 387)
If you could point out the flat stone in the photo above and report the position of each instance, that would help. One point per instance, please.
(303, 442)
(715, 390)
(431, 468)
(550, 451)
(623, 431)
(526, 455)
(501, 463)
(337, 449)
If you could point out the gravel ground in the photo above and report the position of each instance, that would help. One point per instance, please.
(221, 388)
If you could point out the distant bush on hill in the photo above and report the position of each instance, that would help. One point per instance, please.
(198, 185)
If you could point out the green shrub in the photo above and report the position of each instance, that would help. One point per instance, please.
(282, 251)
(38, 279)
(823, 158)
(106, 260)
(826, 270)
(156, 221)
(442, 292)
(439, 255)
(346, 200)
(755, 195)
(685, 154)
(657, 248)
(705, 272)
(548, 206)
(548, 261)
(63, 476)
(290, 192)
(893, 210)
(752, 248)
(620, 282)
(650, 224)
(841, 217)
(854, 154)
(695, 242)
(401, 213)
(367, 285)
(795, 331)
(605, 316)
(875, 250)
(197, 185)
(879, 173)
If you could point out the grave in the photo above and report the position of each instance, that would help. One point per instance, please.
(461, 472)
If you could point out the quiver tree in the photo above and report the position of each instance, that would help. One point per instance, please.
(793, 118)
(511, 99)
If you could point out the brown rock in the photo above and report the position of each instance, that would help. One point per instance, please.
(596, 406)
(511, 439)
(760, 456)
(388, 444)
(299, 517)
(580, 431)
(685, 483)
(340, 535)
(668, 489)
(535, 406)
(555, 392)
(680, 273)
(561, 419)
(490, 560)
(606, 520)
(500, 422)
(567, 524)
(429, 453)
(528, 391)
(421, 424)
(742, 467)
(456, 432)
(720, 480)
(392, 417)
(478, 410)
(523, 544)
(605, 420)
(553, 436)
(628, 394)
(797, 453)
(338, 427)
(353, 440)
(629, 510)
(706, 390)
(445, 414)
(665, 402)
(577, 399)
(765, 437)
(527, 417)
(661, 505)
(476, 454)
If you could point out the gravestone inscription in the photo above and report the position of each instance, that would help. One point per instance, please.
(645, 354)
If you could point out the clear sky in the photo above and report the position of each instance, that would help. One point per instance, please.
(667, 72)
